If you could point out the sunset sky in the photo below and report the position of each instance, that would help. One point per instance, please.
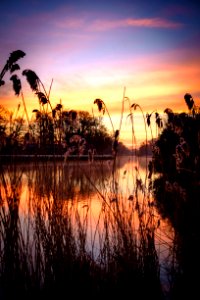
(99, 49)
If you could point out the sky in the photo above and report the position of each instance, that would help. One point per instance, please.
(147, 51)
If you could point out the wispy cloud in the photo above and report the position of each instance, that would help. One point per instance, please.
(153, 22)
(102, 24)
(132, 22)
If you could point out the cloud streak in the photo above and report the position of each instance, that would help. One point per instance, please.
(102, 25)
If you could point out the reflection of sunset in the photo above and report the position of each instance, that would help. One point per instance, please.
(86, 193)
(88, 201)
(78, 79)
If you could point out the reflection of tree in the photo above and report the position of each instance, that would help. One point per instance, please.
(176, 157)
(58, 241)
(69, 181)
(182, 208)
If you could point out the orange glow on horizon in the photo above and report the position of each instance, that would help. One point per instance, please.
(150, 81)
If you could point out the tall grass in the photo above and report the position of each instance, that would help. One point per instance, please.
(51, 243)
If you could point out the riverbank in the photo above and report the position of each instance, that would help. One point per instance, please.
(58, 157)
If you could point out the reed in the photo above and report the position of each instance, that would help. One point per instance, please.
(58, 247)
(75, 231)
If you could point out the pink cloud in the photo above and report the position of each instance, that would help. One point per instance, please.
(131, 22)
(154, 22)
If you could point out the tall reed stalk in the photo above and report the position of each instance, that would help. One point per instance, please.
(64, 247)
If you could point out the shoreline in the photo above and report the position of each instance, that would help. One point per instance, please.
(52, 157)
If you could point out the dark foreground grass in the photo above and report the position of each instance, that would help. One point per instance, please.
(53, 249)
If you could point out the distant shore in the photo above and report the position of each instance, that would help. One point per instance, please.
(51, 157)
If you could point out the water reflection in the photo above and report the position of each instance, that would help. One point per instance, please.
(178, 202)
(89, 208)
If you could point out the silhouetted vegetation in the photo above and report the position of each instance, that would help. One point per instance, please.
(70, 133)
(176, 157)
(54, 131)
(57, 248)
(52, 241)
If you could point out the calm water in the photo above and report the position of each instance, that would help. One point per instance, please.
(85, 190)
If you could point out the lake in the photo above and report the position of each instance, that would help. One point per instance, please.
(93, 206)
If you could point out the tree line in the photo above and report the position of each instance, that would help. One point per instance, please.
(51, 130)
